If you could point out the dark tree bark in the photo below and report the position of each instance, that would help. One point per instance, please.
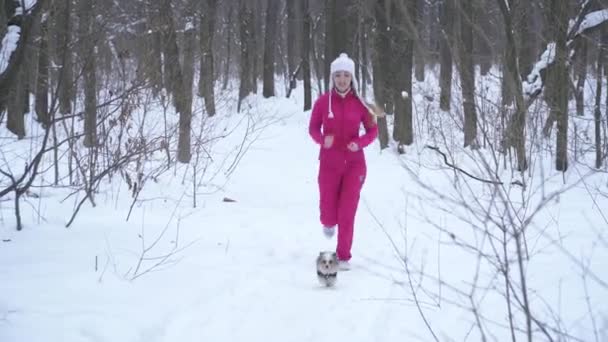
(87, 54)
(270, 44)
(467, 74)
(63, 30)
(246, 37)
(516, 129)
(380, 58)
(597, 112)
(206, 82)
(42, 82)
(560, 108)
(446, 50)
(402, 49)
(306, 43)
(581, 75)
(292, 33)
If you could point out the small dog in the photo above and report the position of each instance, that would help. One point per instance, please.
(327, 268)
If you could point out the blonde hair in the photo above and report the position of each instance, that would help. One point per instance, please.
(374, 111)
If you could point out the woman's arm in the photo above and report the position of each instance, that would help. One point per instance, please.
(316, 121)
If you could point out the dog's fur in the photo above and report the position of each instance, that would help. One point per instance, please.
(327, 268)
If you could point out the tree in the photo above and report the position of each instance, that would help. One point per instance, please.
(306, 43)
(446, 43)
(467, 73)
(208, 9)
(272, 11)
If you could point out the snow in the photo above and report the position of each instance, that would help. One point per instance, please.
(9, 44)
(593, 19)
(244, 270)
(534, 82)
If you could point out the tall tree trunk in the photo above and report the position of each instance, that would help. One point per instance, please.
(245, 23)
(292, 33)
(403, 37)
(64, 29)
(516, 130)
(42, 83)
(176, 83)
(380, 58)
(206, 84)
(343, 19)
(87, 53)
(446, 44)
(581, 73)
(228, 31)
(306, 42)
(15, 120)
(467, 74)
(560, 109)
(188, 66)
(421, 45)
(152, 62)
(525, 35)
(363, 41)
(482, 31)
(328, 15)
(597, 112)
(270, 35)
(3, 19)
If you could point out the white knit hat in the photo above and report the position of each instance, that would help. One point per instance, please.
(342, 63)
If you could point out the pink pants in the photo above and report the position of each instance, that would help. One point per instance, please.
(339, 189)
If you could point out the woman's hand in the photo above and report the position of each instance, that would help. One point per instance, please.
(353, 147)
(328, 141)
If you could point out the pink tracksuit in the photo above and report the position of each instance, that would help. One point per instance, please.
(341, 171)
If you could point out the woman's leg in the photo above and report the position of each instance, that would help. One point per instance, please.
(347, 208)
(329, 180)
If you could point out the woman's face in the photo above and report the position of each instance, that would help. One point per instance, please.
(342, 80)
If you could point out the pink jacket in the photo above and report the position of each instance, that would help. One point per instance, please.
(348, 115)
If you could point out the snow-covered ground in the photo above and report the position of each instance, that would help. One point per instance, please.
(244, 270)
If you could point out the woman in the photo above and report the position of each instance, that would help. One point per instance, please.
(334, 124)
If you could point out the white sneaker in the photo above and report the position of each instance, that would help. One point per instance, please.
(329, 231)
(344, 265)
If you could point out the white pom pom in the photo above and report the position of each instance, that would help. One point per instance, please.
(405, 94)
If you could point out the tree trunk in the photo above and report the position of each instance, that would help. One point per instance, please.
(581, 73)
(516, 129)
(328, 15)
(306, 42)
(270, 35)
(292, 33)
(402, 64)
(446, 41)
(381, 67)
(421, 45)
(87, 53)
(206, 84)
(482, 30)
(42, 82)
(3, 19)
(245, 20)
(525, 35)
(229, 35)
(64, 29)
(15, 120)
(175, 81)
(152, 62)
(188, 67)
(597, 112)
(467, 74)
(560, 110)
